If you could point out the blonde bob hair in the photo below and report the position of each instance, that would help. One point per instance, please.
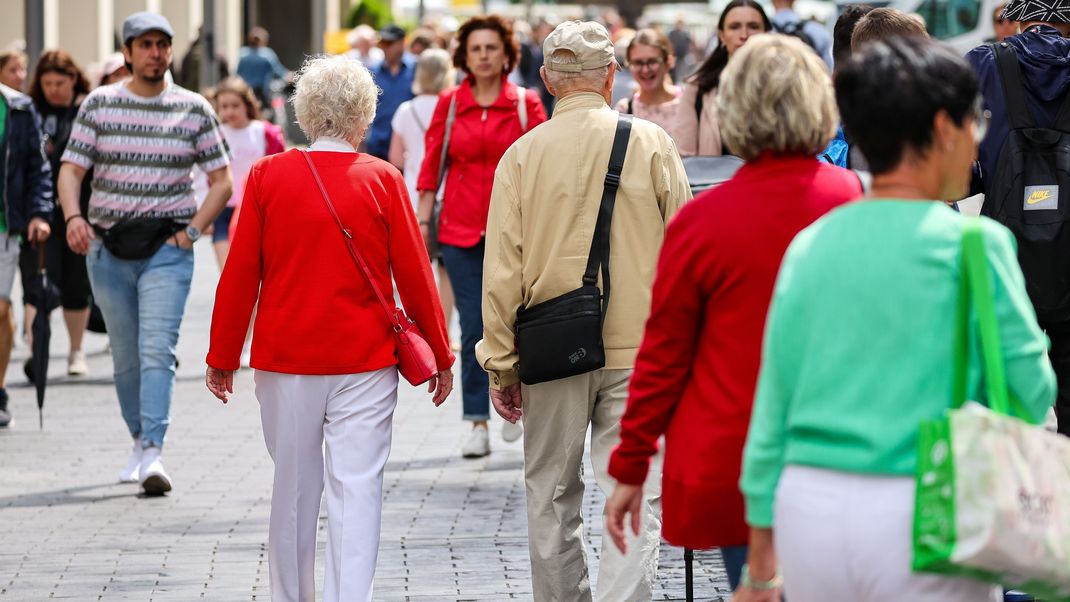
(776, 96)
(335, 97)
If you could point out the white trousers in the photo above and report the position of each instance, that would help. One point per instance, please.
(848, 536)
(352, 414)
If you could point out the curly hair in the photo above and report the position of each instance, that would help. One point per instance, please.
(237, 86)
(335, 96)
(493, 23)
(56, 61)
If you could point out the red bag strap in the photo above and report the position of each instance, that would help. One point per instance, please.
(391, 314)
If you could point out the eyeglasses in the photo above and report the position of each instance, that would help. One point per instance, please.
(647, 64)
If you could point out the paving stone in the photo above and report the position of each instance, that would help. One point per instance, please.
(453, 529)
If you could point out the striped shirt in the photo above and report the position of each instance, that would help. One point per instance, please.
(142, 150)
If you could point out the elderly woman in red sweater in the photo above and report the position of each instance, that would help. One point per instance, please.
(489, 115)
(697, 367)
(323, 347)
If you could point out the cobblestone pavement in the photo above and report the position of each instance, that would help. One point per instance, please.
(453, 529)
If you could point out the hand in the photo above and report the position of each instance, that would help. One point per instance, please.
(425, 233)
(180, 240)
(38, 230)
(79, 235)
(219, 382)
(746, 594)
(507, 402)
(440, 385)
(626, 499)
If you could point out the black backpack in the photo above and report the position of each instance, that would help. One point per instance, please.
(795, 29)
(1030, 193)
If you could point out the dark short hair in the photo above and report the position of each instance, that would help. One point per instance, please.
(884, 23)
(493, 23)
(56, 61)
(845, 26)
(890, 91)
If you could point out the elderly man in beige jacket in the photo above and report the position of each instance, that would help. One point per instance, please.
(543, 208)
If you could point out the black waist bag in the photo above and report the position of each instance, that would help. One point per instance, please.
(562, 337)
(137, 238)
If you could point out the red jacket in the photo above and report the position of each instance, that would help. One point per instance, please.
(477, 142)
(697, 367)
(315, 312)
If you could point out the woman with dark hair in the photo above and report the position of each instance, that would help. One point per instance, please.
(488, 115)
(695, 128)
(860, 339)
(57, 90)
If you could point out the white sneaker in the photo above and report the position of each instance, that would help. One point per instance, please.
(153, 478)
(131, 473)
(512, 431)
(478, 444)
(76, 364)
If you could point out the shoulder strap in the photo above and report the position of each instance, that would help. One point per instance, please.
(975, 290)
(358, 259)
(416, 117)
(522, 108)
(631, 105)
(1062, 120)
(1010, 74)
(450, 115)
(599, 254)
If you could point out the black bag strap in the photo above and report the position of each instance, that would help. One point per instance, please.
(599, 254)
(1010, 75)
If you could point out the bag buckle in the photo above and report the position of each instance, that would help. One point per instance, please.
(612, 180)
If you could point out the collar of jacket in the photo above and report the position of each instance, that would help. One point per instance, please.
(16, 101)
(579, 101)
(506, 98)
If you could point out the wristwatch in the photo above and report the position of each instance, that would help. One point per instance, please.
(193, 233)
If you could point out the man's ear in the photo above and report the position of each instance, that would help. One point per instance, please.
(546, 81)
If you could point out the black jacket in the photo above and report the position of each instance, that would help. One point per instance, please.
(24, 170)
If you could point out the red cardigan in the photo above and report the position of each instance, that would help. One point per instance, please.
(697, 367)
(478, 140)
(315, 312)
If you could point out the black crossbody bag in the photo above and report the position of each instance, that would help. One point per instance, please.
(562, 337)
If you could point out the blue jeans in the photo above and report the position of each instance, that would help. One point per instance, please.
(142, 302)
(734, 558)
(465, 269)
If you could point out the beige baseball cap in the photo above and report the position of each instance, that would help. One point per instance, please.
(587, 40)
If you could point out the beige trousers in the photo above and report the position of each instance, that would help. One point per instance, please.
(556, 417)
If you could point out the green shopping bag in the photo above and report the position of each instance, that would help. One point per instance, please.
(993, 490)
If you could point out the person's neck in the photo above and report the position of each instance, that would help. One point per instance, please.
(144, 87)
(906, 182)
(486, 90)
(660, 95)
(393, 66)
(779, 6)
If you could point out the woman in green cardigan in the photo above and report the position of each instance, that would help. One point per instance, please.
(858, 344)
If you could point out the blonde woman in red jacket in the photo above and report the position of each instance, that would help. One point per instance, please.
(697, 368)
(487, 121)
(323, 348)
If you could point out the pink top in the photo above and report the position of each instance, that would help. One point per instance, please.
(663, 114)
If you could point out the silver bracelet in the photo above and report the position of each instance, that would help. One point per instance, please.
(762, 586)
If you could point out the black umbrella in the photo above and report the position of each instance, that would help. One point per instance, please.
(45, 297)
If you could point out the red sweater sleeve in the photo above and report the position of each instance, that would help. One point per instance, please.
(411, 269)
(665, 355)
(428, 179)
(239, 285)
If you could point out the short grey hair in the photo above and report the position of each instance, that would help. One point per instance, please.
(335, 96)
(776, 95)
(434, 72)
(567, 81)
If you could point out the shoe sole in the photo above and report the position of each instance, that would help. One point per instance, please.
(156, 485)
